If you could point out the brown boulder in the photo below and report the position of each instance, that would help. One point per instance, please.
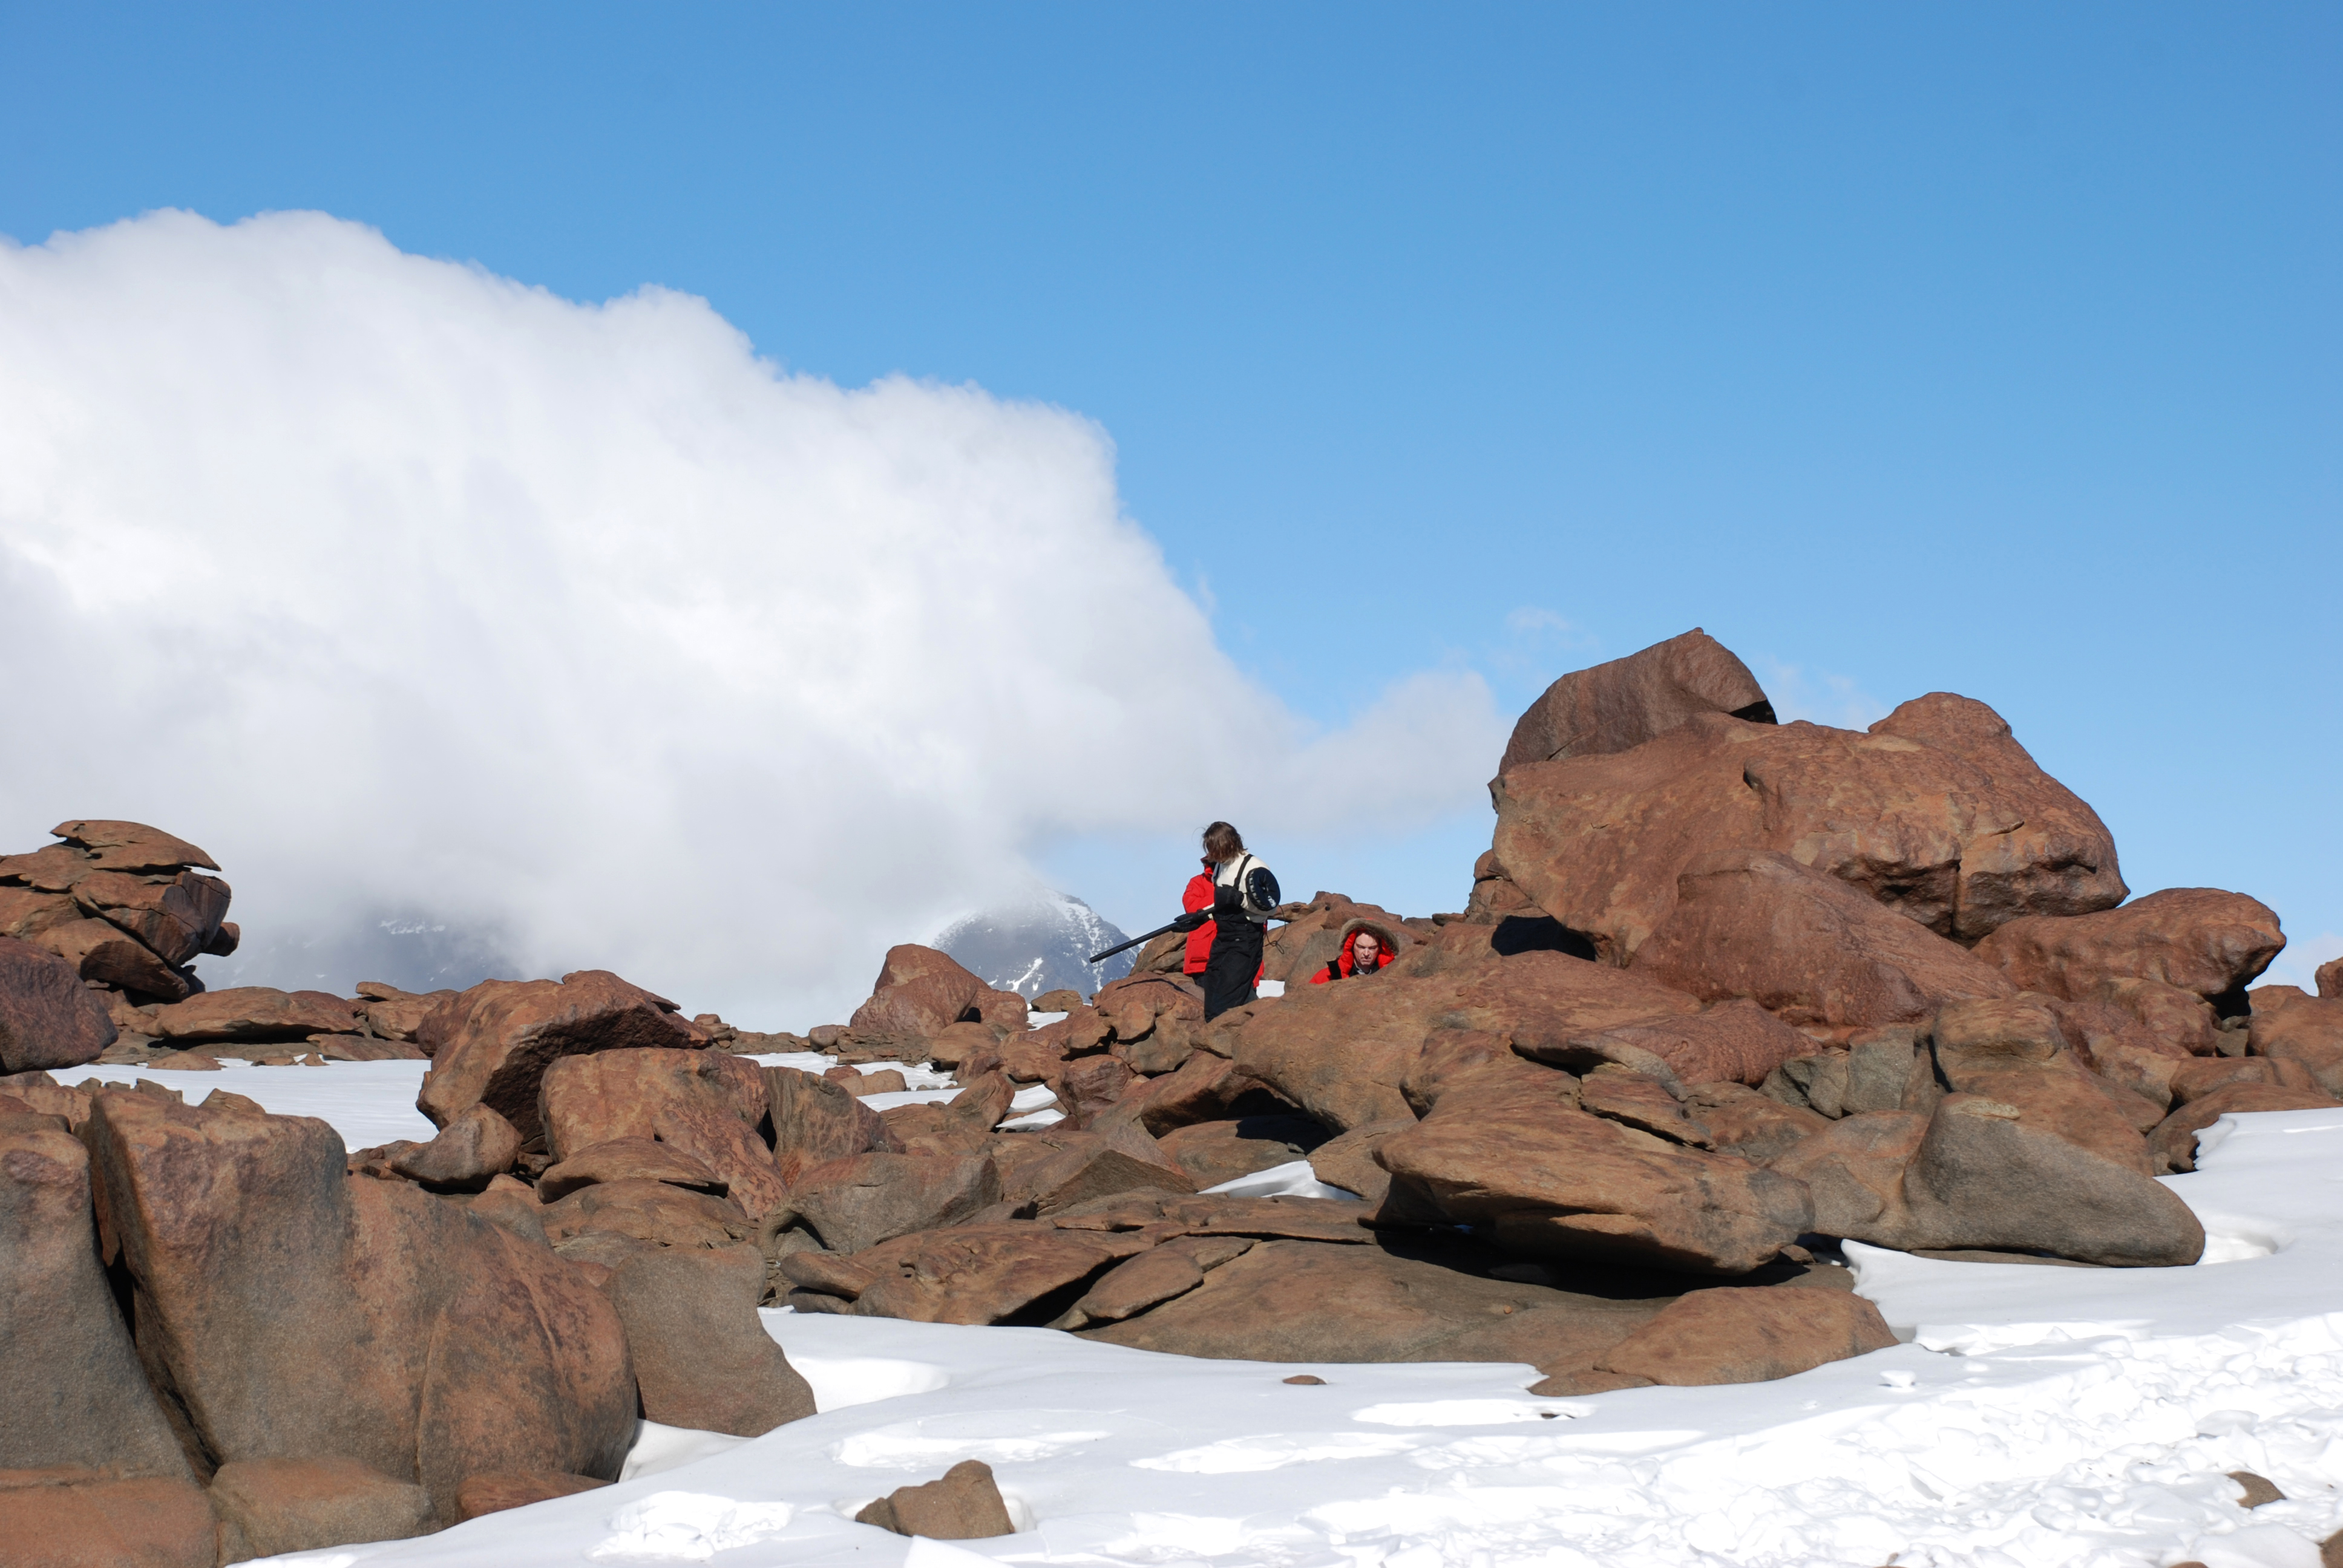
(1757, 1127)
(1810, 949)
(706, 1103)
(513, 1204)
(1543, 1178)
(918, 991)
(2174, 1143)
(1741, 1335)
(589, 1220)
(75, 1393)
(491, 1044)
(1090, 1085)
(1632, 1099)
(477, 1144)
(629, 1160)
(861, 1201)
(1854, 1169)
(1617, 705)
(2197, 939)
(268, 1506)
(2329, 979)
(175, 917)
(1211, 1152)
(1007, 1273)
(2309, 1031)
(1734, 1041)
(965, 1505)
(814, 1122)
(1921, 814)
(101, 950)
(130, 846)
(48, 1018)
(70, 1518)
(251, 1012)
(2197, 1077)
(2012, 1050)
(1002, 1009)
(26, 913)
(493, 1493)
(294, 1310)
(1059, 1000)
(1170, 1268)
(2163, 1016)
(703, 1357)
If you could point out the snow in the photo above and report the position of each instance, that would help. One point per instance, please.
(2037, 1416)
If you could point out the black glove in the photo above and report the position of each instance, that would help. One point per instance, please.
(1191, 919)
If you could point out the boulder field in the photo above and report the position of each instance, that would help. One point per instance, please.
(1725, 993)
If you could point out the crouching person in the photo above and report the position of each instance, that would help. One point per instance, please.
(1366, 948)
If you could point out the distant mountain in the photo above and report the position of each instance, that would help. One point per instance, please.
(1039, 946)
(411, 952)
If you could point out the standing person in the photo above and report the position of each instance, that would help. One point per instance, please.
(1243, 892)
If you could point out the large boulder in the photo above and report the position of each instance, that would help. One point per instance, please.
(2309, 1030)
(478, 1145)
(73, 1517)
(1808, 948)
(269, 1507)
(102, 951)
(1617, 705)
(815, 1121)
(986, 1273)
(490, 1045)
(1745, 1334)
(111, 846)
(176, 916)
(2197, 939)
(1924, 814)
(1537, 1176)
(75, 1393)
(2174, 1142)
(1734, 1041)
(867, 1199)
(251, 1012)
(48, 1017)
(918, 992)
(703, 1357)
(2012, 1050)
(288, 1308)
(706, 1103)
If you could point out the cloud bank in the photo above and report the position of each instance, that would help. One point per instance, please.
(400, 585)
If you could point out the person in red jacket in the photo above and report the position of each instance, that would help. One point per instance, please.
(1199, 896)
(1366, 950)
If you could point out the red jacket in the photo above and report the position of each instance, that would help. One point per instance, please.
(1199, 896)
(1346, 965)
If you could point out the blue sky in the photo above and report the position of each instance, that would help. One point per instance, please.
(1991, 349)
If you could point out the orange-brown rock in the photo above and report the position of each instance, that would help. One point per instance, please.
(251, 1012)
(629, 1160)
(2012, 1050)
(2309, 1031)
(112, 846)
(48, 1017)
(985, 1274)
(918, 991)
(1758, 1128)
(701, 1355)
(69, 1517)
(101, 950)
(861, 1201)
(269, 1507)
(1618, 706)
(1741, 1334)
(1734, 1041)
(1211, 1152)
(2174, 1142)
(494, 1493)
(815, 1121)
(476, 1145)
(294, 1309)
(491, 1044)
(965, 1505)
(706, 1103)
(1168, 1270)
(24, 912)
(590, 1220)
(1810, 949)
(1928, 814)
(2197, 939)
(176, 917)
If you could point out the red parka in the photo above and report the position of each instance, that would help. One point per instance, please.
(1346, 964)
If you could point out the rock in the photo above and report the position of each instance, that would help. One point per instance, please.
(1151, 1279)
(1734, 1041)
(1543, 1180)
(957, 1042)
(1089, 1165)
(172, 917)
(268, 1506)
(1059, 1000)
(1887, 1070)
(1810, 949)
(2308, 1032)
(651, 1212)
(2258, 1490)
(1001, 1009)
(1216, 1215)
(866, 1198)
(513, 1204)
(859, 1084)
(494, 1493)
(814, 1122)
(1010, 1272)
(2173, 1144)
(983, 1102)
(185, 1061)
(48, 1018)
(1204, 1087)
(1982, 1177)
(2197, 939)
(2329, 978)
(82, 1519)
(491, 1045)
(1740, 1334)
(2164, 1015)
(2012, 1050)
(965, 1505)
(390, 1013)
(703, 1357)
(477, 1144)
(918, 991)
(130, 847)
(1348, 1162)
(76, 1394)
(1619, 705)
(1476, 1061)
(249, 1013)
(629, 1160)
(1211, 1152)
(706, 1103)
(1090, 1085)
(1926, 814)
(102, 951)
(1740, 1120)
(26, 914)
(1626, 1096)
(1854, 1169)
(297, 1310)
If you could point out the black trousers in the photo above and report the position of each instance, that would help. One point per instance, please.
(1235, 960)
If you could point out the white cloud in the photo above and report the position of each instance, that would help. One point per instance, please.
(401, 586)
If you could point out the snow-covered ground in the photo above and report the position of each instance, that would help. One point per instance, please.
(2039, 1415)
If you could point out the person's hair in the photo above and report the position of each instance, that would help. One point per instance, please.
(1223, 842)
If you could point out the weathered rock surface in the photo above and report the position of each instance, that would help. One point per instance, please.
(1729, 1335)
(2197, 939)
(491, 1045)
(920, 991)
(986, 1273)
(475, 1146)
(1617, 705)
(705, 1103)
(251, 1012)
(48, 1017)
(2174, 1142)
(269, 1506)
(814, 1122)
(629, 1160)
(102, 951)
(866, 1198)
(965, 1505)
(606, 1220)
(702, 1358)
(1810, 949)
(78, 1518)
(1734, 1041)
(493, 1493)
(2309, 1031)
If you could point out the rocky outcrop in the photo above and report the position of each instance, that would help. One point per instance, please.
(703, 1103)
(491, 1045)
(125, 904)
(1618, 706)
(2201, 941)
(48, 1017)
(701, 1357)
(918, 991)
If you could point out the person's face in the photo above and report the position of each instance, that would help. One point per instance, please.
(1364, 948)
